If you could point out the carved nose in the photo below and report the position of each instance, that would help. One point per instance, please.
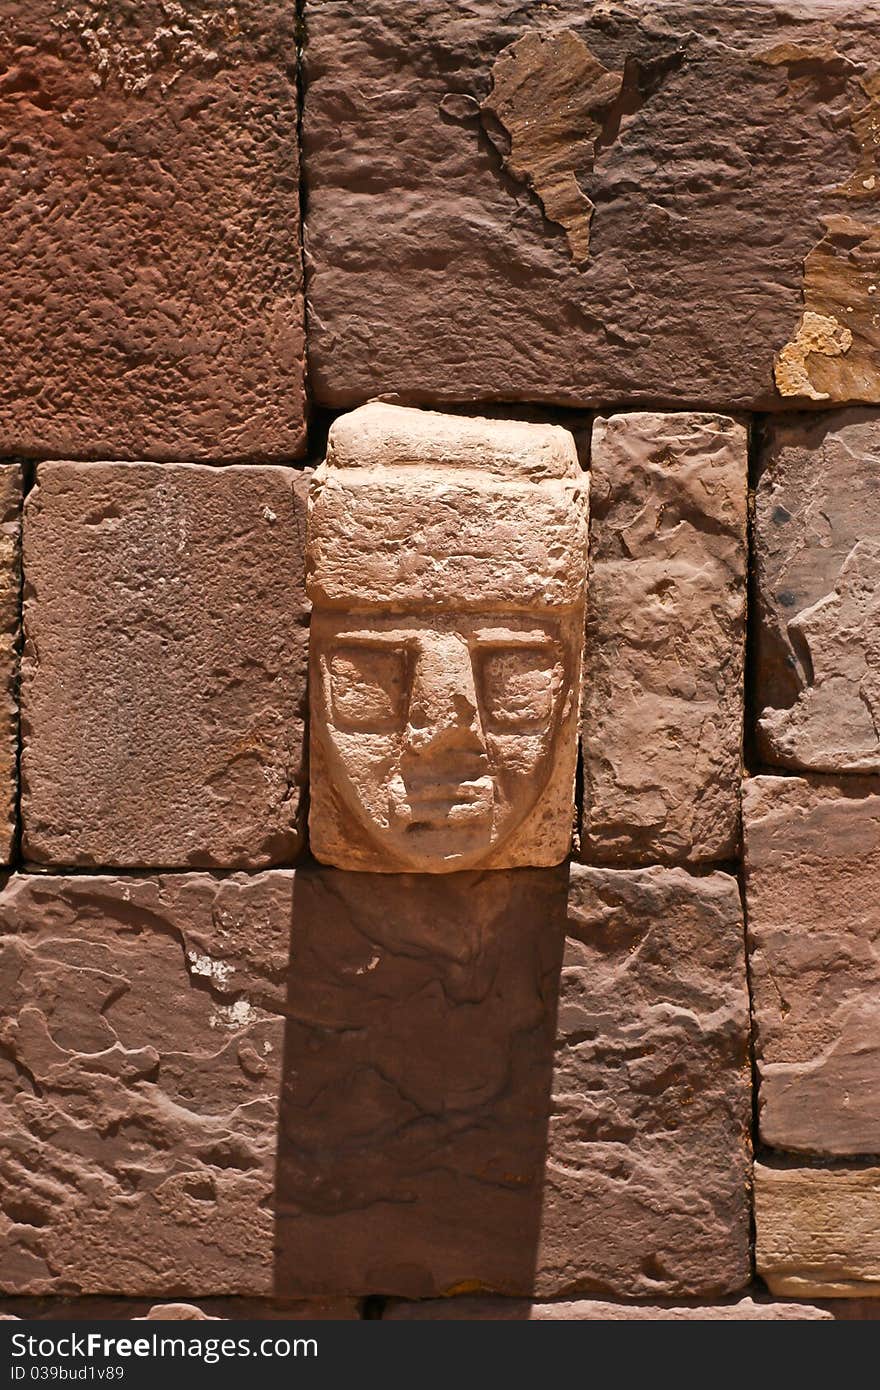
(443, 706)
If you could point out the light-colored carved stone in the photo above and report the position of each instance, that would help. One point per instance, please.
(818, 1231)
(447, 568)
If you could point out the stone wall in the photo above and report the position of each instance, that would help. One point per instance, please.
(439, 602)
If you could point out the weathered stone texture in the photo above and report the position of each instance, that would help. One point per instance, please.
(446, 563)
(10, 625)
(580, 204)
(589, 1310)
(818, 565)
(813, 883)
(430, 1141)
(140, 1061)
(152, 285)
(164, 672)
(125, 1309)
(663, 697)
(818, 1231)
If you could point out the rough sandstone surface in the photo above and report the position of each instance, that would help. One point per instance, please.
(10, 629)
(125, 1309)
(813, 880)
(164, 672)
(140, 1061)
(446, 563)
(152, 287)
(818, 1231)
(663, 663)
(580, 204)
(444, 1132)
(590, 1310)
(817, 531)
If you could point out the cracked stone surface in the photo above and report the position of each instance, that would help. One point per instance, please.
(591, 1310)
(583, 204)
(140, 1061)
(812, 850)
(818, 1230)
(150, 205)
(165, 665)
(817, 543)
(666, 613)
(10, 624)
(445, 1131)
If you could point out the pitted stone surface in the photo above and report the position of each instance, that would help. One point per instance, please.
(10, 626)
(140, 1062)
(813, 881)
(581, 203)
(817, 543)
(447, 567)
(164, 672)
(818, 1231)
(663, 663)
(152, 285)
(433, 1142)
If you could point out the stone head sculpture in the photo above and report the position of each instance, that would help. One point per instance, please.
(446, 565)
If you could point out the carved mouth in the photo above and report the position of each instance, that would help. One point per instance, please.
(443, 804)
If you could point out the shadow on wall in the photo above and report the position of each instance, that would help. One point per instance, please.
(418, 1065)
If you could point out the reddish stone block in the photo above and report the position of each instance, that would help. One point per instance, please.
(152, 285)
(140, 1056)
(164, 673)
(812, 851)
(10, 629)
(583, 204)
(442, 1131)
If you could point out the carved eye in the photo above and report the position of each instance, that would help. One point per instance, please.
(518, 686)
(368, 685)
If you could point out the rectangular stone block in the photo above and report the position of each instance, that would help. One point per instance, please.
(446, 562)
(592, 1310)
(663, 678)
(165, 665)
(152, 285)
(812, 852)
(10, 629)
(818, 1231)
(581, 204)
(140, 1063)
(442, 1131)
(817, 546)
(207, 1309)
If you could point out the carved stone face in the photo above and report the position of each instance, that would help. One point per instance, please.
(439, 733)
(446, 565)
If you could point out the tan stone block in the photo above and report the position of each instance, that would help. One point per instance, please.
(818, 1231)
(447, 566)
(817, 546)
(590, 1310)
(164, 671)
(663, 697)
(812, 852)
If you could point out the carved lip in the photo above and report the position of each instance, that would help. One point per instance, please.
(457, 793)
